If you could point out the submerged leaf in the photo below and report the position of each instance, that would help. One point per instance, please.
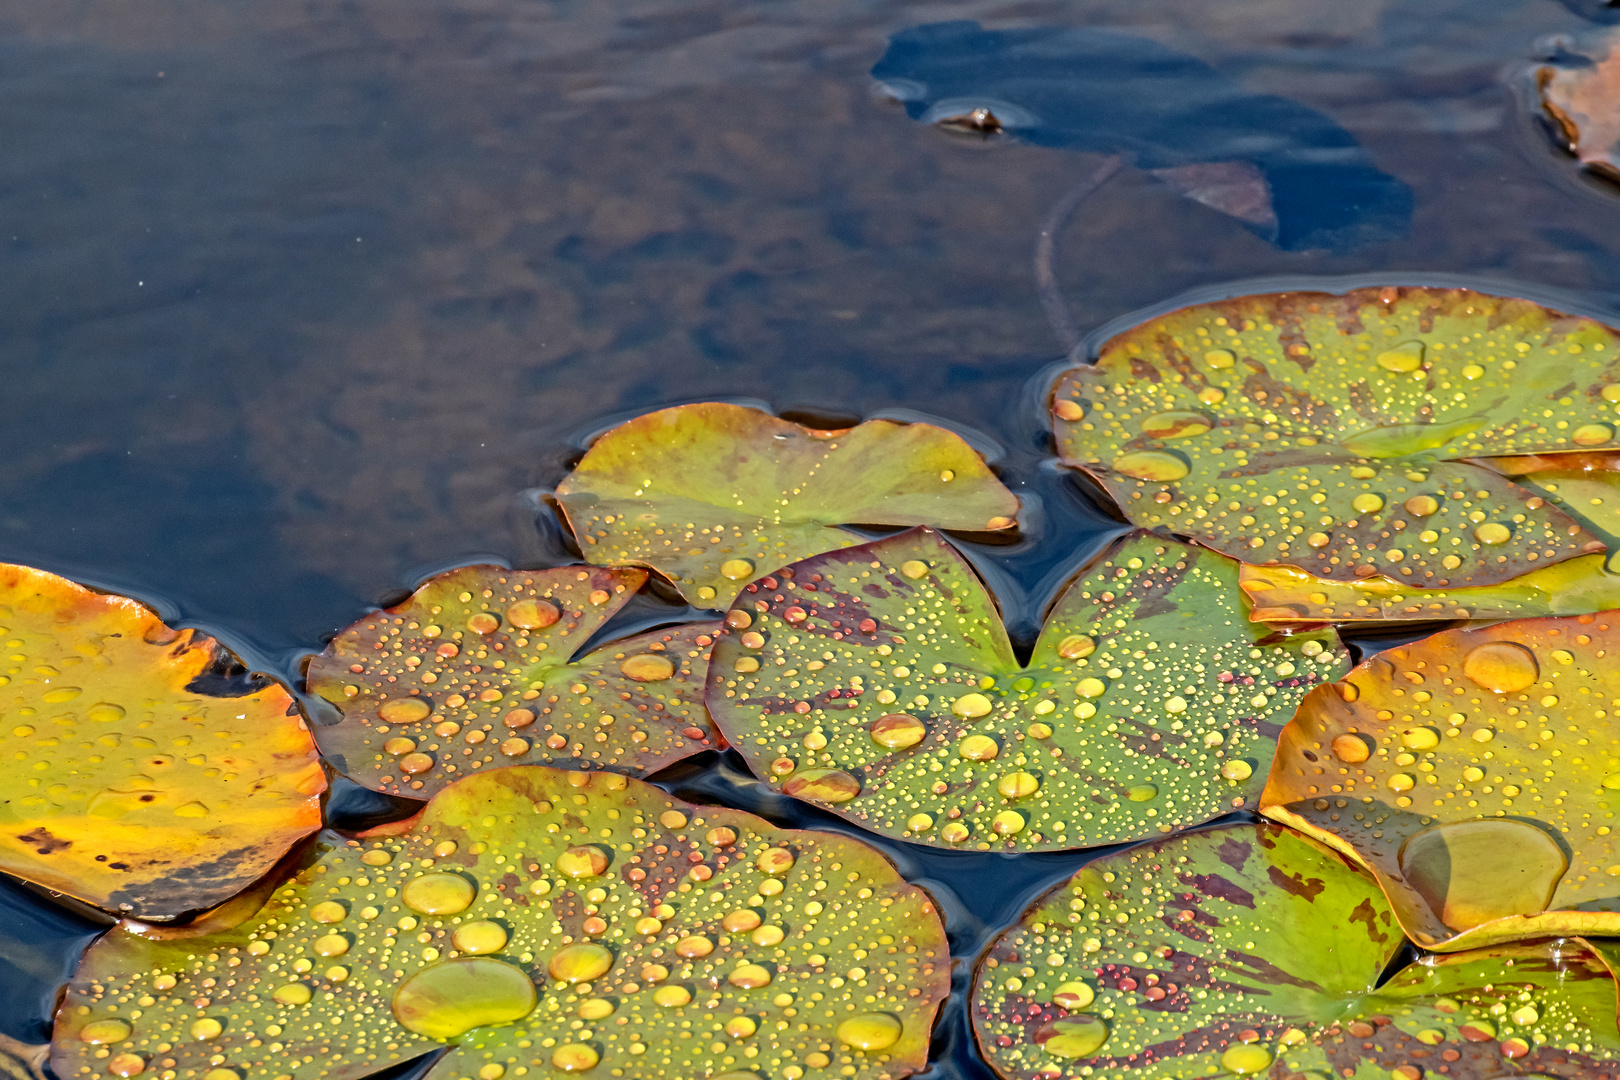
(1476, 773)
(1250, 950)
(536, 919)
(478, 668)
(713, 495)
(139, 774)
(1330, 433)
(879, 681)
(1581, 96)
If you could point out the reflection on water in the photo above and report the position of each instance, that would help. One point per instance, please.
(302, 296)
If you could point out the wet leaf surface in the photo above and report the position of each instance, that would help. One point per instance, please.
(879, 681)
(1251, 950)
(478, 668)
(713, 495)
(140, 773)
(1586, 486)
(1476, 773)
(1330, 433)
(1581, 96)
(539, 921)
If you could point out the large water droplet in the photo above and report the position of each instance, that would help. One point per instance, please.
(574, 1057)
(452, 998)
(1407, 356)
(978, 748)
(582, 862)
(1177, 424)
(478, 938)
(102, 1032)
(1505, 667)
(584, 962)
(1472, 872)
(1245, 1059)
(971, 706)
(1157, 465)
(439, 894)
(648, 667)
(870, 1031)
(1073, 1037)
(897, 731)
(736, 569)
(405, 710)
(823, 785)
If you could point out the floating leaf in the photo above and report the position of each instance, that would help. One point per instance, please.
(1282, 595)
(1325, 432)
(139, 775)
(713, 495)
(535, 917)
(1476, 773)
(1586, 486)
(1581, 96)
(478, 668)
(879, 681)
(1250, 950)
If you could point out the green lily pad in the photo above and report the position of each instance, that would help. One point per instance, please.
(1476, 773)
(536, 921)
(479, 668)
(713, 495)
(1331, 433)
(1250, 950)
(1586, 486)
(135, 777)
(879, 681)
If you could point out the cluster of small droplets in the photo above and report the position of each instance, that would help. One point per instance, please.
(475, 670)
(559, 921)
(1314, 430)
(879, 680)
(1431, 759)
(1218, 953)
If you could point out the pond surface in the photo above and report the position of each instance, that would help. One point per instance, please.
(305, 300)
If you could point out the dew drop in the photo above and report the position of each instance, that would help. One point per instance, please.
(1155, 465)
(1407, 356)
(648, 667)
(1503, 667)
(406, 710)
(1018, 785)
(582, 862)
(736, 569)
(207, 1029)
(971, 706)
(533, 614)
(104, 1032)
(1073, 996)
(823, 785)
(1459, 870)
(978, 747)
(483, 623)
(1220, 358)
(1367, 503)
(1237, 769)
(1142, 793)
(897, 731)
(1177, 424)
(450, 999)
(1493, 533)
(438, 894)
(479, 938)
(105, 712)
(1592, 435)
(870, 1031)
(914, 569)
(1076, 647)
(1244, 1059)
(1073, 1037)
(775, 861)
(750, 977)
(1351, 748)
(584, 962)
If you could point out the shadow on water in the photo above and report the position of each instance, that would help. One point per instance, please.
(305, 300)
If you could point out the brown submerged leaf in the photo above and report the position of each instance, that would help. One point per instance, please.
(478, 668)
(1583, 102)
(135, 777)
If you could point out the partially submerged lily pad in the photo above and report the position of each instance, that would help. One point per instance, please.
(1329, 433)
(1250, 950)
(713, 495)
(1476, 773)
(1586, 486)
(141, 773)
(879, 681)
(478, 668)
(536, 919)
(1581, 96)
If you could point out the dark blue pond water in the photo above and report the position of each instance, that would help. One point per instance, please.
(305, 300)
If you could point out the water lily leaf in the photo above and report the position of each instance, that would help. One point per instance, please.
(140, 775)
(1330, 433)
(536, 919)
(879, 681)
(478, 668)
(1476, 773)
(1250, 950)
(713, 495)
(1282, 595)
(1586, 486)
